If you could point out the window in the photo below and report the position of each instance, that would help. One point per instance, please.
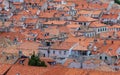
(87, 35)
(64, 52)
(47, 34)
(48, 51)
(48, 43)
(79, 28)
(62, 14)
(84, 53)
(43, 55)
(48, 8)
(98, 30)
(103, 29)
(100, 57)
(105, 57)
(85, 23)
(53, 52)
(80, 23)
(90, 35)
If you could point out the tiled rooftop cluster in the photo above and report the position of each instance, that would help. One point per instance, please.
(73, 37)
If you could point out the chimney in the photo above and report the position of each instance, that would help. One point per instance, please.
(79, 39)
(82, 5)
(112, 42)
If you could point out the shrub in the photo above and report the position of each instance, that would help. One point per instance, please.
(35, 61)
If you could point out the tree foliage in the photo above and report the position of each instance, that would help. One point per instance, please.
(35, 61)
(117, 1)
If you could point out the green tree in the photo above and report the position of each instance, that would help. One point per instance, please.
(117, 1)
(35, 61)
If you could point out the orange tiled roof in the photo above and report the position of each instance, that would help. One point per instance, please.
(57, 70)
(110, 16)
(35, 1)
(27, 70)
(4, 68)
(97, 24)
(63, 29)
(106, 48)
(47, 14)
(73, 26)
(62, 46)
(97, 12)
(30, 20)
(85, 12)
(55, 22)
(86, 19)
(13, 35)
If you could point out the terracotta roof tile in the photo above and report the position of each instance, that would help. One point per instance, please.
(97, 24)
(4, 68)
(110, 16)
(27, 70)
(85, 19)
